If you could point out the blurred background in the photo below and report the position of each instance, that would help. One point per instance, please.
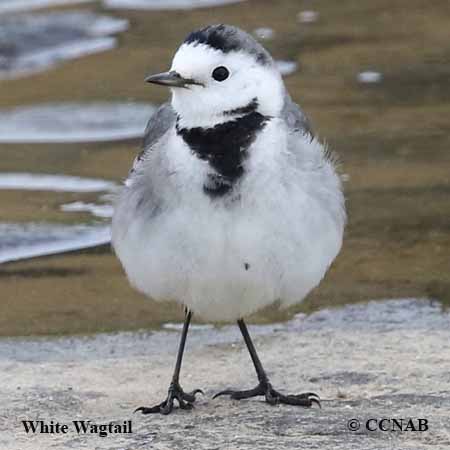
(372, 75)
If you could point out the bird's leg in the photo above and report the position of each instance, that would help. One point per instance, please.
(185, 400)
(264, 387)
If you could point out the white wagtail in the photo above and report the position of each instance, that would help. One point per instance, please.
(233, 204)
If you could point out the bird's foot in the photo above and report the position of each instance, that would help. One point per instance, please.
(175, 392)
(272, 396)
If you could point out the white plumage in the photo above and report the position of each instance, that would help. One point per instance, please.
(271, 237)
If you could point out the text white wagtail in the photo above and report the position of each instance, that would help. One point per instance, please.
(233, 203)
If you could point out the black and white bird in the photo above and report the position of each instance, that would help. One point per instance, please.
(233, 204)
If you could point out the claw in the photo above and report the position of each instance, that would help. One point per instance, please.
(310, 394)
(225, 392)
(185, 400)
(148, 410)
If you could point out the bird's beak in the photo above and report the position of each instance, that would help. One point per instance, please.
(171, 79)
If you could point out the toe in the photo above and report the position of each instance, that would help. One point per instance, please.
(272, 397)
(240, 395)
(166, 408)
(300, 400)
(185, 405)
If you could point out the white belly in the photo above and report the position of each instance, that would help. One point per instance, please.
(226, 259)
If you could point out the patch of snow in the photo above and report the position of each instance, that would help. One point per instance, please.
(369, 76)
(30, 64)
(23, 241)
(104, 211)
(12, 6)
(166, 4)
(74, 122)
(307, 16)
(286, 67)
(33, 43)
(264, 33)
(57, 183)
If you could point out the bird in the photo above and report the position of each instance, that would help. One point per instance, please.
(233, 204)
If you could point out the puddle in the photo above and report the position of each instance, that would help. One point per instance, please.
(166, 4)
(12, 6)
(33, 43)
(21, 241)
(103, 211)
(57, 183)
(286, 67)
(74, 122)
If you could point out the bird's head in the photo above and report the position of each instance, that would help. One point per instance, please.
(221, 72)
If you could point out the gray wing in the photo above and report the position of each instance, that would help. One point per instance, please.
(295, 117)
(158, 125)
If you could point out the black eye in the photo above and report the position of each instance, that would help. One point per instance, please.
(220, 73)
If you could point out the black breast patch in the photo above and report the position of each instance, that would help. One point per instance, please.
(225, 147)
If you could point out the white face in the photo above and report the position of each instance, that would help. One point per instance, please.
(203, 106)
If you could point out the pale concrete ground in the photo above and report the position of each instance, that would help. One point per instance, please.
(384, 359)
